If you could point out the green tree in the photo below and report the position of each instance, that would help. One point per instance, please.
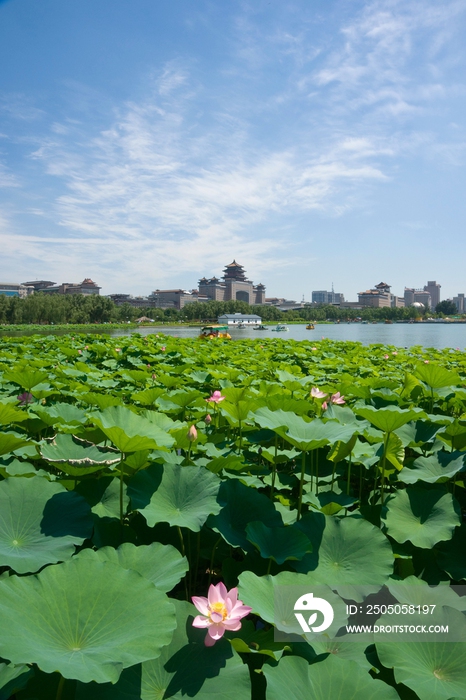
(446, 307)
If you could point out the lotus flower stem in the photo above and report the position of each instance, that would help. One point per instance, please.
(333, 476)
(316, 459)
(211, 565)
(61, 685)
(349, 475)
(387, 435)
(122, 456)
(360, 484)
(274, 467)
(301, 484)
(183, 552)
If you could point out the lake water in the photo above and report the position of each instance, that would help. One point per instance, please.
(430, 335)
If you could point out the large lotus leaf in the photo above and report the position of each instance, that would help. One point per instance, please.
(241, 505)
(159, 563)
(186, 668)
(331, 679)
(9, 442)
(278, 543)
(13, 678)
(183, 496)
(415, 591)
(436, 376)
(424, 517)
(389, 418)
(435, 671)
(77, 457)
(26, 378)
(279, 421)
(40, 523)
(417, 433)
(440, 465)
(310, 436)
(103, 495)
(103, 401)
(86, 619)
(451, 554)
(454, 435)
(273, 599)
(130, 432)
(346, 552)
(11, 414)
(394, 452)
(61, 413)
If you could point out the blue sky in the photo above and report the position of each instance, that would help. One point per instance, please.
(146, 144)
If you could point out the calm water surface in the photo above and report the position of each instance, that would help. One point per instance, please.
(430, 335)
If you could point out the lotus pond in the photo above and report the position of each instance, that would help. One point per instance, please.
(137, 472)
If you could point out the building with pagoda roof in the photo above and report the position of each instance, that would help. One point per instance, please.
(234, 286)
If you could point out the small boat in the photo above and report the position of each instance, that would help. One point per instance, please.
(241, 326)
(387, 321)
(280, 327)
(260, 328)
(310, 327)
(215, 331)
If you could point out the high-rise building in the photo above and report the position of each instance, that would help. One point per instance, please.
(434, 290)
(459, 303)
(322, 296)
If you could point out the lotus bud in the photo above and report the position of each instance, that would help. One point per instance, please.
(192, 434)
(208, 419)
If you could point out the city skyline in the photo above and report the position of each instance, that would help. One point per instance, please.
(145, 144)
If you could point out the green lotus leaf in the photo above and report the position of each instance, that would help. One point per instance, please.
(86, 619)
(130, 432)
(310, 436)
(341, 450)
(433, 670)
(417, 433)
(103, 495)
(278, 543)
(13, 678)
(61, 414)
(11, 414)
(241, 505)
(186, 668)
(9, 442)
(40, 523)
(103, 401)
(183, 496)
(77, 457)
(346, 552)
(424, 517)
(454, 435)
(415, 591)
(436, 376)
(278, 421)
(26, 378)
(338, 679)
(440, 465)
(159, 563)
(389, 418)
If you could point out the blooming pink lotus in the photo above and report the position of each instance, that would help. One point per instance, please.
(221, 611)
(163, 348)
(337, 398)
(385, 357)
(25, 398)
(317, 393)
(216, 397)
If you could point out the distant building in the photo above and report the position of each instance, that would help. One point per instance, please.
(378, 297)
(233, 286)
(324, 297)
(235, 319)
(417, 296)
(39, 285)
(175, 298)
(15, 289)
(434, 290)
(87, 287)
(459, 303)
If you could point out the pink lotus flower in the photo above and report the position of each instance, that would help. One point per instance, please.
(317, 393)
(216, 397)
(162, 348)
(426, 362)
(324, 406)
(208, 419)
(336, 398)
(385, 357)
(313, 349)
(117, 349)
(25, 398)
(192, 434)
(394, 352)
(221, 611)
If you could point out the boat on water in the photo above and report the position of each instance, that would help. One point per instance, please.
(310, 327)
(280, 327)
(260, 328)
(388, 321)
(241, 326)
(215, 332)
